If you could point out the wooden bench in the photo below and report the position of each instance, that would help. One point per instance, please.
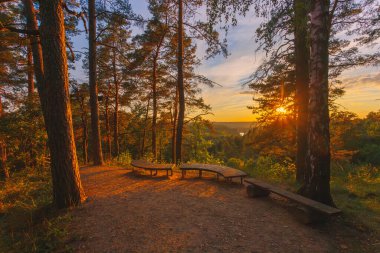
(143, 164)
(310, 211)
(226, 172)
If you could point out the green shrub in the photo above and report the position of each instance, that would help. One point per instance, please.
(235, 163)
(271, 169)
(28, 221)
(370, 153)
(123, 159)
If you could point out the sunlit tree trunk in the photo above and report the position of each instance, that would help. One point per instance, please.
(96, 144)
(317, 174)
(302, 84)
(181, 89)
(67, 188)
(116, 114)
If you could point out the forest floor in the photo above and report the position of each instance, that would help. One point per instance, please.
(129, 212)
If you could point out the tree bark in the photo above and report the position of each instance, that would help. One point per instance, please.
(84, 129)
(175, 115)
(116, 114)
(181, 89)
(302, 84)
(142, 150)
(108, 128)
(4, 173)
(154, 94)
(30, 69)
(317, 174)
(97, 155)
(154, 116)
(36, 50)
(67, 188)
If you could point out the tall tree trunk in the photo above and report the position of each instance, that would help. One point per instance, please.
(108, 128)
(85, 140)
(155, 97)
(301, 8)
(317, 174)
(84, 129)
(30, 69)
(116, 114)
(142, 150)
(35, 62)
(181, 89)
(35, 43)
(175, 115)
(67, 188)
(154, 116)
(3, 160)
(4, 173)
(97, 155)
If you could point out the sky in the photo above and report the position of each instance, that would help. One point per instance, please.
(229, 102)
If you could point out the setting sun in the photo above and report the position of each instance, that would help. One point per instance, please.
(281, 110)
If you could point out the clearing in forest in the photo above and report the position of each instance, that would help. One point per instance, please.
(127, 212)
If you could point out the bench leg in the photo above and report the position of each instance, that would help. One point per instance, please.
(200, 173)
(155, 173)
(254, 191)
(171, 172)
(151, 172)
(217, 177)
(183, 173)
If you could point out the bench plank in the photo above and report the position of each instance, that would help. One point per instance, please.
(225, 171)
(151, 166)
(295, 197)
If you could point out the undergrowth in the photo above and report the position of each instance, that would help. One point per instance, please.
(355, 187)
(29, 223)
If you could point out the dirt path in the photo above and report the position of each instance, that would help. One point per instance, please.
(135, 213)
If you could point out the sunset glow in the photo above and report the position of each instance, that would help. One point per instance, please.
(281, 110)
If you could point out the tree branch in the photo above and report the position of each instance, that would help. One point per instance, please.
(81, 15)
(23, 31)
(71, 51)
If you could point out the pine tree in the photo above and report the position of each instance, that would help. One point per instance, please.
(67, 188)
(97, 154)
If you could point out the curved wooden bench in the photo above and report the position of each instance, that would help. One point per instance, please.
(311, 212)
(227, 172)
(143, 164)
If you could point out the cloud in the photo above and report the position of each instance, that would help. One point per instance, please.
(371, 79)
(247, 92)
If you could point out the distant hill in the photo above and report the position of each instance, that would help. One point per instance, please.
(233, 127)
